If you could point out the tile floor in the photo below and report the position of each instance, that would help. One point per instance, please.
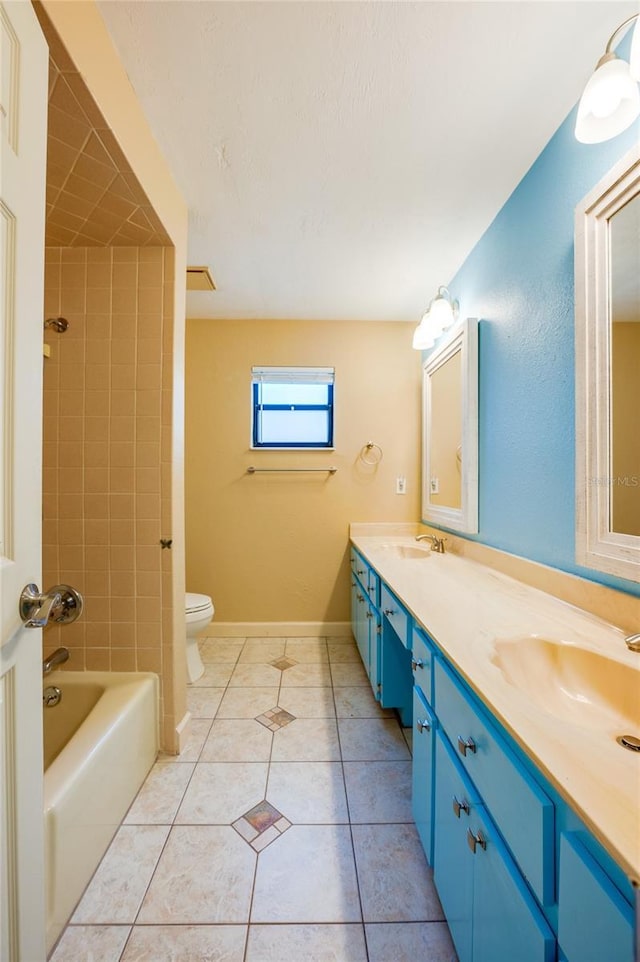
(282, 832)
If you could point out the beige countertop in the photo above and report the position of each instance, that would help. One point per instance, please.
(467, 608)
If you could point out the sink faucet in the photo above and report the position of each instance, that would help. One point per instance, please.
(59, 657)
(437, 544)
(633, 642)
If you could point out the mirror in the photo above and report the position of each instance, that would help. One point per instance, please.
(450, 431)
(608, 372)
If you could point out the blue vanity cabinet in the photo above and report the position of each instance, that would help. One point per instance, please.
(423, 770)
(491, 913)
(512, 796)
(359, 622)
(594, 921)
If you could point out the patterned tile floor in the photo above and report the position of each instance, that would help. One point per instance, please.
(282, 832)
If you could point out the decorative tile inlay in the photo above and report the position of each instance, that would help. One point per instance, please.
(275, 718)
(283, 663)
(261, 825)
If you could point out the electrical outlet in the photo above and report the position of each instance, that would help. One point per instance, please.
(401, 485)
(435, 486)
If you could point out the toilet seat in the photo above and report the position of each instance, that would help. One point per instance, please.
(195, 603)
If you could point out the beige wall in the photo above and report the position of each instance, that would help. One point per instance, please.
(273, 548)
(107, 456)
(625, 358)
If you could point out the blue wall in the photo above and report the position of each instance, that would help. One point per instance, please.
(519, 281)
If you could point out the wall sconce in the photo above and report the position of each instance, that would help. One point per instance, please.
(441, 314)
(611, 100)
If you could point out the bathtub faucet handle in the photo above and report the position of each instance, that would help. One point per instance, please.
(62, 604)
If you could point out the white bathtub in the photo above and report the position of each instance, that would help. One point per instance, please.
(100, 742)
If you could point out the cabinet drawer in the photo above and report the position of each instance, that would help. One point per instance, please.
(396, 615)
(594, 921)
(517, 803)
(422, 664)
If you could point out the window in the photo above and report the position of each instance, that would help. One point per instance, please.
(292, 407)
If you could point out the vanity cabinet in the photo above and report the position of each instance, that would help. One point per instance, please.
(519, 875)
(366, 622)
(491, 913)
(594, 921)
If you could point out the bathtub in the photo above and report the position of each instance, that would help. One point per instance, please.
(99, 744)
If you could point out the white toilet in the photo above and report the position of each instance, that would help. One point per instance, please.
(198, 614)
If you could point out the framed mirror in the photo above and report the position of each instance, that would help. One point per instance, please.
(607, 276)
(450, 431)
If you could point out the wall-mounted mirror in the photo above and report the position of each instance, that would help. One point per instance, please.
(607, 274)
(450, 431)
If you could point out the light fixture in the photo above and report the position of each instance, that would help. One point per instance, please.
(611, 100)
(440, 316)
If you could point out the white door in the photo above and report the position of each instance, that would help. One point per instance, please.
(23, 122)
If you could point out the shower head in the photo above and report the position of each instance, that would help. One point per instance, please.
(59, 324)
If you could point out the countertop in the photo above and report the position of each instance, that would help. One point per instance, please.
(466, 608)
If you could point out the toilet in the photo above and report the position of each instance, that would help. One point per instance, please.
(198, 614)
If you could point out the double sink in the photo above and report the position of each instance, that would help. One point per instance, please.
(567, 680)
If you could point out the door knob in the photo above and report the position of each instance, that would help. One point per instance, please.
(62, 604)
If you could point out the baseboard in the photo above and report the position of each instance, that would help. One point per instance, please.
(278, 629)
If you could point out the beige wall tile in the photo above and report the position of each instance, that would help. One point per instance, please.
(103, 478)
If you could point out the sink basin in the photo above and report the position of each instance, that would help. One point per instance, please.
(405, 550)
(572, 683)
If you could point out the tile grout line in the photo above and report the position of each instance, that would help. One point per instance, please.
(346, 794)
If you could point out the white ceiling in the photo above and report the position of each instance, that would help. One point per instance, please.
(341, 159)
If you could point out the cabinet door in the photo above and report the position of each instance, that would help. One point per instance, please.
(424, 733)
(373, 666)
(507, 923)
(455, 802)
(594, 921)
(359, 623)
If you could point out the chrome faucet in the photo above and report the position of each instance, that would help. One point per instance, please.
(633, 642)
(437, 544)
(59, 656)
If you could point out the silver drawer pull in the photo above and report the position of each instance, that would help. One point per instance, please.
(460, 806)
(423, 725)
(359, 571)
(417, 663)
(389, 612)
(360, 597)
(368, 614)
(467, 745)
(474, 840)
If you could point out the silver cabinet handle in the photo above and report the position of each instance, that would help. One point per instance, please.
(423, 725)
(460, 806)
(368, 614)
(360, 598)
(389, 612)
(466, 745)
(474, 840)
(417, 663)
(359, 571)
(62, 604)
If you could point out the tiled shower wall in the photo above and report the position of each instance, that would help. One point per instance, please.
(107, 455)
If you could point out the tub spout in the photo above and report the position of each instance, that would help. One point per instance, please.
(59, 656)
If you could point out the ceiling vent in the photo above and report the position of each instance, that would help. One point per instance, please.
(200, 279)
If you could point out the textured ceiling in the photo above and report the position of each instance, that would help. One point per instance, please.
(340, 160)
(93, 197)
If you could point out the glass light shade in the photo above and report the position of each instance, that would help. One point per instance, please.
(441, 313)
(634, 59)
(610, 103)
(423, 337)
